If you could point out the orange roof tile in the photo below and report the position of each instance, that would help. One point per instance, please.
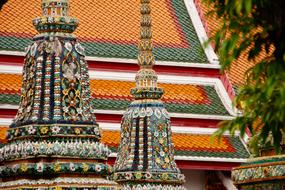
(182, 142)
(240, 66)
(111, 138)
(111, 28)
(3, 134)
(173, 92)
(106, 20)
(201, 142)
(10, 84)
(112, 89)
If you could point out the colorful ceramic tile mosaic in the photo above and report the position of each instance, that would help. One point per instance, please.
(54, 134)
(145, 154)
(109, 28)
(83, 183)
(261, 173)
(114, 95)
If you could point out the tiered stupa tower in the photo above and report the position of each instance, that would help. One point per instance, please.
(54, 140)
(145, 157)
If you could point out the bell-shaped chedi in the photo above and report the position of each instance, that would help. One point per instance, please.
(145, 157)
(54, 140)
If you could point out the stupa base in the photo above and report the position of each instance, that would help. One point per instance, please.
(150, 186)
(274, 185)
(60, 183)
(263, 173)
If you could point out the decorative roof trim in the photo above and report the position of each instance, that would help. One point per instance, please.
(131, 61)
(117, 126)
(201, 32)
(121, 112)
(225, 98)
(175, 129)
(216, 82)
(244, 141)
(177, 115)
(16, 53)
(11, 69)
(157, 62)
(203, 159)
(9, 106)
(5, 121)
(212, 159)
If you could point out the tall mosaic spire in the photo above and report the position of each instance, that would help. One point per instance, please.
(145, 157)
(54, 140)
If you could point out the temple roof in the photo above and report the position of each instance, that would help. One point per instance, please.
(193, 145)
(176, 40)
(115, 95)
(111, 28)
(187, 145)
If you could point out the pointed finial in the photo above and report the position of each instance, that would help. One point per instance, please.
(55, 7)
(146, 78)
(145, 57)
(145, 156)
(55, 18)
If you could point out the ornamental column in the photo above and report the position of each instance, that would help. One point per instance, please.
(54, 140)
(145, 157)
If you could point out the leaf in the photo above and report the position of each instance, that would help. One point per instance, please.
(269, 89)
(248, 6)
(238, 7)
(256, 29)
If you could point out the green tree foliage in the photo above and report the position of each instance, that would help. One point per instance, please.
(2, 2)
(253, 27)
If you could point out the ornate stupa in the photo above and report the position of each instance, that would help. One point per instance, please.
(54, 140)
(145, 157)
(264, 172)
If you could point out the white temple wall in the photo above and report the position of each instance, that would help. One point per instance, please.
(195, 179)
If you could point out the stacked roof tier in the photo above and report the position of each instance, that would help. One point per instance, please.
(197, 95)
